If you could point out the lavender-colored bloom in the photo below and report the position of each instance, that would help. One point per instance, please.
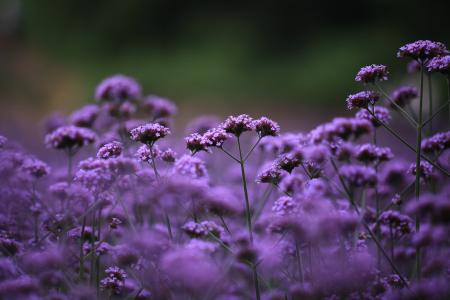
(342, 151)
(369, 153)
(290, 161)
(266, 127)
(426, 170)
(404, 95)
(191, 166)
(439, 64)
(272, 174)
(220, 201)
(118, 88)
(159, 107)
(401, 224)
(202, 229)
(372, 73)
(149, 133)
(85, 116)
(168, 155)
(382, 115)
(69, 137)
(422, 50)
(362, 99)
(238, 125)
(145, 154)
(215, 137)
(110, 150)
(285, 206)
(292, 184)
(196, 143)
(123, 110)
(341, 129)
(359, 176)
(36, 168)
(436, 143)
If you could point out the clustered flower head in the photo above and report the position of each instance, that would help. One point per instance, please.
(110, 150)
(439, 64)
(159, 107)
(238, 125)
(149, 133)
(266, 127)
(372, 73)
(378, 116)
(436, 143)
(422, 50)
(362, 99)
(118, 88)
(70, 137)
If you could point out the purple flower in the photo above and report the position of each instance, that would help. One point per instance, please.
(439, 64)
(203, 229)
(404, 95)
(266, 127)
(110, 150)
(381, 114)
(215, 137)
(426, 170)
(36, 168)
(149, 133)
(272, 174)
(144, 153)
(341, 129)
(369, 153)
(359, 176)
(191, 166)
(422, 50)
(362, 99)
(436, 143)
(290, 161)
(159, 107)
(372, 73)
(238, 125)
(285, 206)
(196, 143)
(118, 88)
(85, 116)
(168, 155)
(69, 137)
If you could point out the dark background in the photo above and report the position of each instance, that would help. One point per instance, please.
(291, 60)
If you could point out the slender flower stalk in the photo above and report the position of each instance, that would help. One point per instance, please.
(244, 185)
(430, 104)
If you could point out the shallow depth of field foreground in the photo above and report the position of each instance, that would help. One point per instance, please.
(237, 208)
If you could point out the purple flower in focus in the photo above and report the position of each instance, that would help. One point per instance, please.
(266, 127)
(439, 64)
(422, 50)
(145, 154)
(362, 99)
(215, 137)
(272, 174)
(372, 73)
(118, 88)
(149, 133)
(69, 137)
(196, 143)
(238, 125)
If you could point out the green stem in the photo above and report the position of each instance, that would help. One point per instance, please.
(298, 257)
(256, 282)
(155, 170)
(253, 148)
(244, 184)
(430, 104)
(418, 159)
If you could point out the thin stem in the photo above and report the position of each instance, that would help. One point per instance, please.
(127, 215)
(298, 257)
(418, 159)
(438, 111)
(400, 109)
(391, 131)
(224, 224)
(153, 161)
(430, 104)
(81, 267)
(229, 154)
(253, 148)
(244, 184)
(256, 283)
(169, 226)
(70, 155)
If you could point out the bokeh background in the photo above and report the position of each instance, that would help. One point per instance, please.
(289, 59)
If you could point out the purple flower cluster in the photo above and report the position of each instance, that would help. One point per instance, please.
(439, 64)
(243, 212)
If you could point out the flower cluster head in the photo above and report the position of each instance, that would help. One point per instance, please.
(159, 107)
(266, 127)
(215, 137)
(436, 143)
(196, 143)
(359, 176)
(404, 95)
(70, 137)
(439, 64)
(110, 150)
(369, 153)
(191, 166)
(401, 224)
(168, 155)
(36, 168)
(382, 115)
(425, 168)
(149, 133)
(285, 206)
(85, 116)
(114, 281)
(202, 229)
(238, 125)
(372, 73)
(422, 50)
(118, 88)
(362, 99)
(341, 129)
(290, 161)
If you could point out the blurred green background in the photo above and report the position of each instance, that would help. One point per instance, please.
(292, 60)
